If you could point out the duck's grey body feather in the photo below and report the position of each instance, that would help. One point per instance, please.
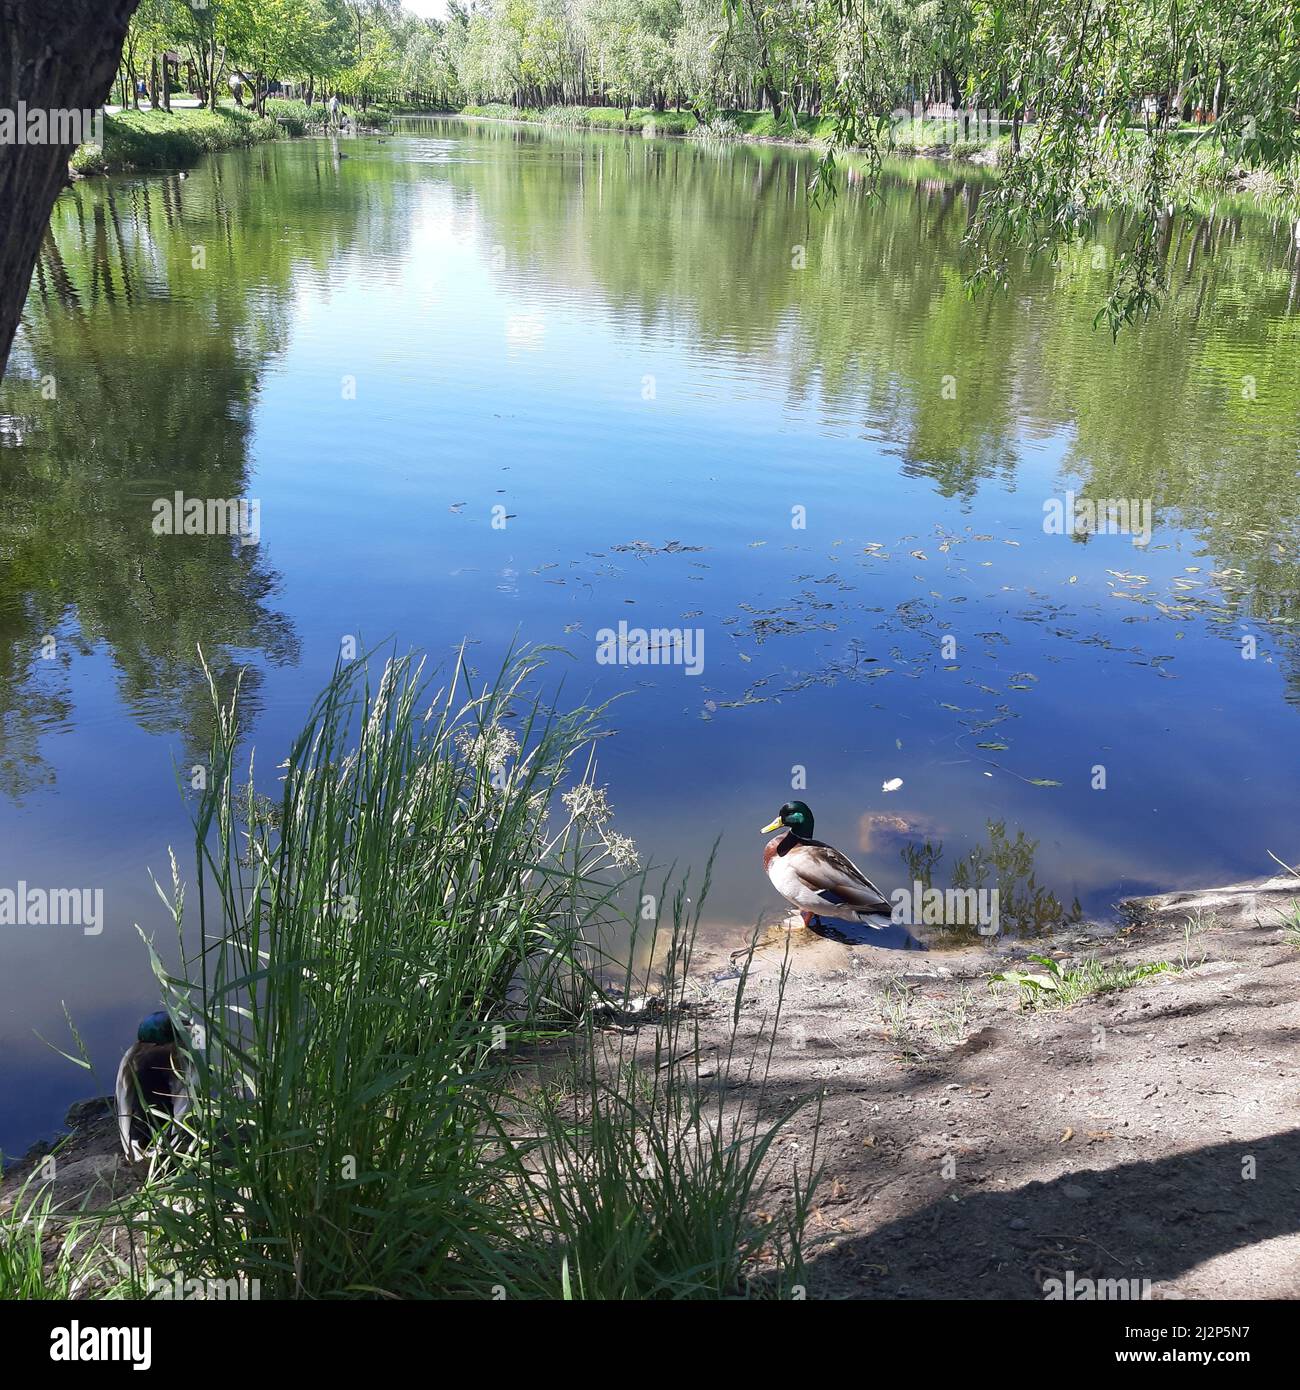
(816, 878)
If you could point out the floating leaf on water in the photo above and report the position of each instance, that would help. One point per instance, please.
(997, 747)
(1042, 782)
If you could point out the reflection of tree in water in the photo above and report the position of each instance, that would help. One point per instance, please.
(135, 379)
(1025, 907)
(1197, 409)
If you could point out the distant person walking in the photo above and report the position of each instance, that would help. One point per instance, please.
(334, 109)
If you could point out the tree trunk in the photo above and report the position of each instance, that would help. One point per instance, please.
(213, 75)
(54, 54)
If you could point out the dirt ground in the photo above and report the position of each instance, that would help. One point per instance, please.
(974, 1150)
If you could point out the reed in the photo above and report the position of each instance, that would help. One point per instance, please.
(376, 950)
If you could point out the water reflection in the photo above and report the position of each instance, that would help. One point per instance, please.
(155, 311)
(690, 399)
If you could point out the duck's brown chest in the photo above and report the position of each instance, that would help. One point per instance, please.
(773, 848)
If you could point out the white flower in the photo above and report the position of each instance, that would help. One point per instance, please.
(491, 746)
(622, 850)
(588, 803)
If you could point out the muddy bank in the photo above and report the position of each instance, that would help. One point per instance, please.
(976, 1149)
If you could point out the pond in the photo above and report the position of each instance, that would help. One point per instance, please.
(490, 382)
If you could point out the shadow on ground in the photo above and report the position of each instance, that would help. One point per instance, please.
(891, 938)
(1151, 1221)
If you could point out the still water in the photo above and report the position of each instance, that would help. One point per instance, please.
(492, 383)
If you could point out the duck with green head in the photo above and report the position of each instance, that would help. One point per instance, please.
(815, 877)
(152, 1084)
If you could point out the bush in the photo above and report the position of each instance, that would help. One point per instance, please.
(649, 123)
(717, 128)
(296, 117)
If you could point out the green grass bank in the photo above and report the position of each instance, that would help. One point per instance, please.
(1203, 169)
(739, 125)
(176, 139)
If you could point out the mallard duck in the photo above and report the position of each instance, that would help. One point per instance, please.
(816, 877)
(152, 1077)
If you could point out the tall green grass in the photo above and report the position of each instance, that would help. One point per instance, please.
(646, 1177)
(50, 1252)
(418, 917)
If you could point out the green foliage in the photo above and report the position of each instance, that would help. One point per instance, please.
(1291, 925)
(591, 118)
(1130, 99)
(366, 49)
(378, 959)
(1006, 865)
(162, 140)
(296, 117)
(1084, 104)
(1058, 985)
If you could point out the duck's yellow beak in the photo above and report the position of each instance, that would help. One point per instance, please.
(776, 825)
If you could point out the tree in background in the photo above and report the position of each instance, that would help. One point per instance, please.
(633, 41)
(1102, 81)
(270, 38)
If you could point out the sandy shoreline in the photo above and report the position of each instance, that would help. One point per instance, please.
(973, 1150)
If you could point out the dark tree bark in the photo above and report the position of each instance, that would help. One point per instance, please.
(54, 55)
